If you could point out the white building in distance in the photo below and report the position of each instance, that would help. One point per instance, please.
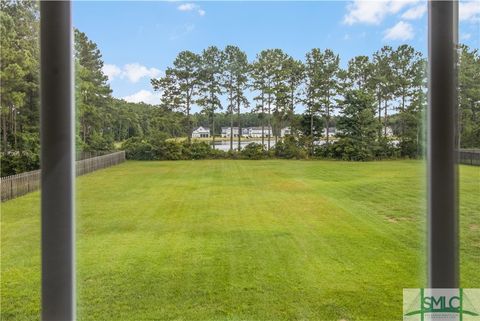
(256, 132)
(201, 132)
(331, 132)
(388, 130)
(229, 131)
(253, 132)
(285, 131)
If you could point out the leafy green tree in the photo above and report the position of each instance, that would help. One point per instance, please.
(179, 86)
(383, 83)
(313, 94)
(281, 91)
(357, 126)
(211, 81)
(359, 74)
(404, 68)
(294, 74)
(328, 86)
(235, 84)
(406, 64)
(93, 95)
(260, 83)
(469, 97)
(19, 92)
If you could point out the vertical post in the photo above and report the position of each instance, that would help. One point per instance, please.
(443, 255)
(57, 162)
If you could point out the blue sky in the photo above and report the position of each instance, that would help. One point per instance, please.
(139, 40)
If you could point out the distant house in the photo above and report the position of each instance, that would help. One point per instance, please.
(256, 132)
(227, 131)
(388, 130)
(285, 131)
(201, 132)
(331, 131)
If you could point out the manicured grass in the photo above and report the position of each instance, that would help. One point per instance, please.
(240, 240)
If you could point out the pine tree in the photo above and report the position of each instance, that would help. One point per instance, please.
(179, 86)
(19, 76)
(235, 83)
(383, 84)
(328, 86)
(313, 94)
(93, 96)
(469, 98)
(357, 126)
(211, 80)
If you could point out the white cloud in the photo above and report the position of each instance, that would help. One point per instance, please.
(111, 71)
(191, 7)
(186, 7)
(415, 12)
(401, 31)
(469, 11)
(373, 12)
(143, 96)
(133, 72)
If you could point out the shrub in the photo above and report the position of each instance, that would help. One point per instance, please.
(159, 148)
(19, 162)
(350, 149)
(168, 150)
(218, 154)
(139, 149)
(325, 151)
(253, 151)
(290, 148)
(99, 142)
(197, 150)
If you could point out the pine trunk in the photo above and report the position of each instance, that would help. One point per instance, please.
(311, 131)
(231, 129)
(385, 120)
(269, 122)
(213, 130)
(189, 125)
(4, 131)
(328, 123)
(263, 122)
(239, 127)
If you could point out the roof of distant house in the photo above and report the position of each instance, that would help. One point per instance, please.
(201, 127)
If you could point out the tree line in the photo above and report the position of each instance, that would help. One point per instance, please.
(362, 100)
(391, 83)
(394, 78)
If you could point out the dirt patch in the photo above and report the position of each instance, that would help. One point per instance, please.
(474, 227)
(392, 219)
(395, 219)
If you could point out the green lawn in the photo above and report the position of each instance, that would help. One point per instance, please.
(240, 240)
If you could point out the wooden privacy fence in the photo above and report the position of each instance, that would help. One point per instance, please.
(469, 156)
(92, 164)
(23, 183)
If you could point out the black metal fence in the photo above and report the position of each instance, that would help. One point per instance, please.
(469, 157)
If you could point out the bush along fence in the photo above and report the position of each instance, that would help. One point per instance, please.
(469, 157)
(23, 183)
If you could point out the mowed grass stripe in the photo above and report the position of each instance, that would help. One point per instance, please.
(240, 240)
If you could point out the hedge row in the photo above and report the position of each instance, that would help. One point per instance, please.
(290, 148)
